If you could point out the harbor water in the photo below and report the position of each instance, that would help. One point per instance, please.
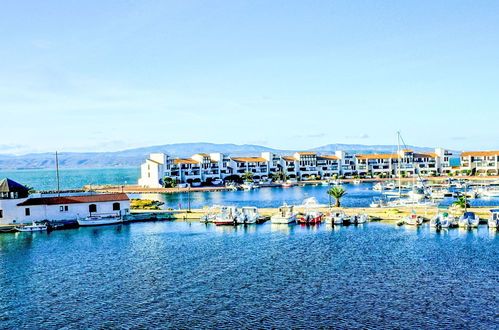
(182, 274)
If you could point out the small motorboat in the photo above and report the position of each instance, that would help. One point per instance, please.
(358, 219)
(32, 228)
(248, 185)
(311, 217)
(248, 215)
(211, 214)
(469, 220)
(335, 218)
(493, 221)
(228, 216)
(413, 219)
(100, 220)
(285, 215)
(356, 181)
(443, 220)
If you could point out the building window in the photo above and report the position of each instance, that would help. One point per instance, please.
(92, 208)
(63, 208)
(27, 211)
(66, 208)
(1, 214)
(116, 206)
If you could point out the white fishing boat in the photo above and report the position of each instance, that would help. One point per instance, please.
(32, 228)
(212, 213)
(248, 215)
(439, 193)
(413, 219)
(356, 181)
(443, 220)
(227, 216)
(285, 215)
(489, 192)
(248, 185)
(379, 186)
(469, 220)
(378, 202)
(406, 202)
(493, 221)
(100, 220)
(336, 217)
(358, 219)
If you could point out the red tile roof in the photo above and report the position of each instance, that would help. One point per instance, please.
(151, 160)
(376, 156)
(480, 153)
(306, 153)
(289, 158)
(185, 161)
(425, 155)
(327, 157)
(98, 198)
(248, 159)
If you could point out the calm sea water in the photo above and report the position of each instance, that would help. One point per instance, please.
(360, 195)
(73, 178)
(178, 274)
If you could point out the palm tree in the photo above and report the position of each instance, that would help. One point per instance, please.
(280, 175)
(337, 192)
(462, 202)
(248, 176)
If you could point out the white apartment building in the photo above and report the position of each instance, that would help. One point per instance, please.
(202, 168)
(480, 162)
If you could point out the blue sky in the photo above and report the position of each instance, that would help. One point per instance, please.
(110, 75)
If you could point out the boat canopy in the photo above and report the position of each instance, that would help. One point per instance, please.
(494, 210)
(469, 214)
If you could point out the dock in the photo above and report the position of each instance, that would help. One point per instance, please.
(377, 214)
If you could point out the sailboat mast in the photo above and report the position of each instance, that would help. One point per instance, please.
(399, 161)
(57, 174)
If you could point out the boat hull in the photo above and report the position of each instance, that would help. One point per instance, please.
(99, 222)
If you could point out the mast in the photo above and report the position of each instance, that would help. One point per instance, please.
(399, 161)
(57, 174)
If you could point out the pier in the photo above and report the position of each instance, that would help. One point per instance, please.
(375, 214)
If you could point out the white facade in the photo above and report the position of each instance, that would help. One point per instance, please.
(301, 166)
(27, 210)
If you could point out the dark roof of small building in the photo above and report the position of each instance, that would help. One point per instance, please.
(75, 199)
(7, 185)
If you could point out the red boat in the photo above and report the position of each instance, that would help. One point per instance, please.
(311, 218)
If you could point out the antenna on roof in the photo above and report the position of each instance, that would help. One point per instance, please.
(57, 174)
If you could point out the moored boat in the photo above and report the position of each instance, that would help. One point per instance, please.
(493, 221)
(248, 215)
(358, 219)
(413, 219)
(228, 216)
(285, 215)
(443, 220)
(336, 218)
(32, 228)
(100, 220)
(311, 217)
(469, 220)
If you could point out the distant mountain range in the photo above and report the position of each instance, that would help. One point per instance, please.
(134, 157)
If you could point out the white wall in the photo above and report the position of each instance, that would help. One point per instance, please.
(13, 214)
